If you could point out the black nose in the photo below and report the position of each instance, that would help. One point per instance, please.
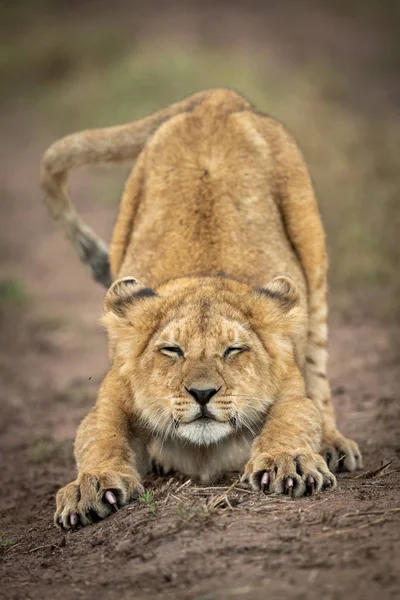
(202, 396)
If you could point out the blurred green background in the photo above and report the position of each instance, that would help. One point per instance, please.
(329, 70)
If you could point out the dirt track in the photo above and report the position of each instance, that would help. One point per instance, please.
(341, 543)
(201, 543)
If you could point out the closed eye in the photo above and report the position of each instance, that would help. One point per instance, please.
(232, 350)
(173, 351)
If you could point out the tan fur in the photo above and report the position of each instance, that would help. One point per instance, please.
(219, 223)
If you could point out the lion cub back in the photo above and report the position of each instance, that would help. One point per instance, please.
(202, 196)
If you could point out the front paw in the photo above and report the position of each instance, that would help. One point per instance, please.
(340, 453)
(93, 496)
(294, 474)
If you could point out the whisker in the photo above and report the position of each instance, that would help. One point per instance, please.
(244, 421)
(164, 438)
(252, 409)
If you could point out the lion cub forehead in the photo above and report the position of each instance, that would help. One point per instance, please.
(206, 333)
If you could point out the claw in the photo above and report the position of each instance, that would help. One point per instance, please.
(310, 484)
(109, 496)
(264, 482)
(289, 484)
(111, 499)
(73, 519)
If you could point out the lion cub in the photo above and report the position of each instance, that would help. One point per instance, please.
(217, 314)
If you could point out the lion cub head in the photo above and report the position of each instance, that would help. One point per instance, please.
(204, 357)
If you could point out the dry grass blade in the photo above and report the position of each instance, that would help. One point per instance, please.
(54, 546)
(374, 472)
(218, 500)
(202, 491)
(166, 485)
(12, 547)
(188, 482)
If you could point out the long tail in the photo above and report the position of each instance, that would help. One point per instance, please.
(93, 147)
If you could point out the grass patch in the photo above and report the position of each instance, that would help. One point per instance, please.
(149, 502)
(5, 542)
(12, 293)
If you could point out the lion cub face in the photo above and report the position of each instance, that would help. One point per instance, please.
(204, 357)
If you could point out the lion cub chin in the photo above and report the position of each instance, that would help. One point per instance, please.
(204, 431)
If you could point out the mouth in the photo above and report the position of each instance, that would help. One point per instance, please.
(204, 416)
(202, 419)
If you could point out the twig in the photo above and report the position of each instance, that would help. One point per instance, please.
(234, 484)
(200, 490)
(188, 482)
(374, 472)
(41, 548)
(12, 547)
(228, 503)
(176, 498)
(240, 489)
(390, 472)
(38, 548)
(210, 488)
(214, 502)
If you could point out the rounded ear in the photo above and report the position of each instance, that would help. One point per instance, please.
(123, 292)
(284, 291)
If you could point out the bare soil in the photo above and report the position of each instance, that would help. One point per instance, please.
(190, 541)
